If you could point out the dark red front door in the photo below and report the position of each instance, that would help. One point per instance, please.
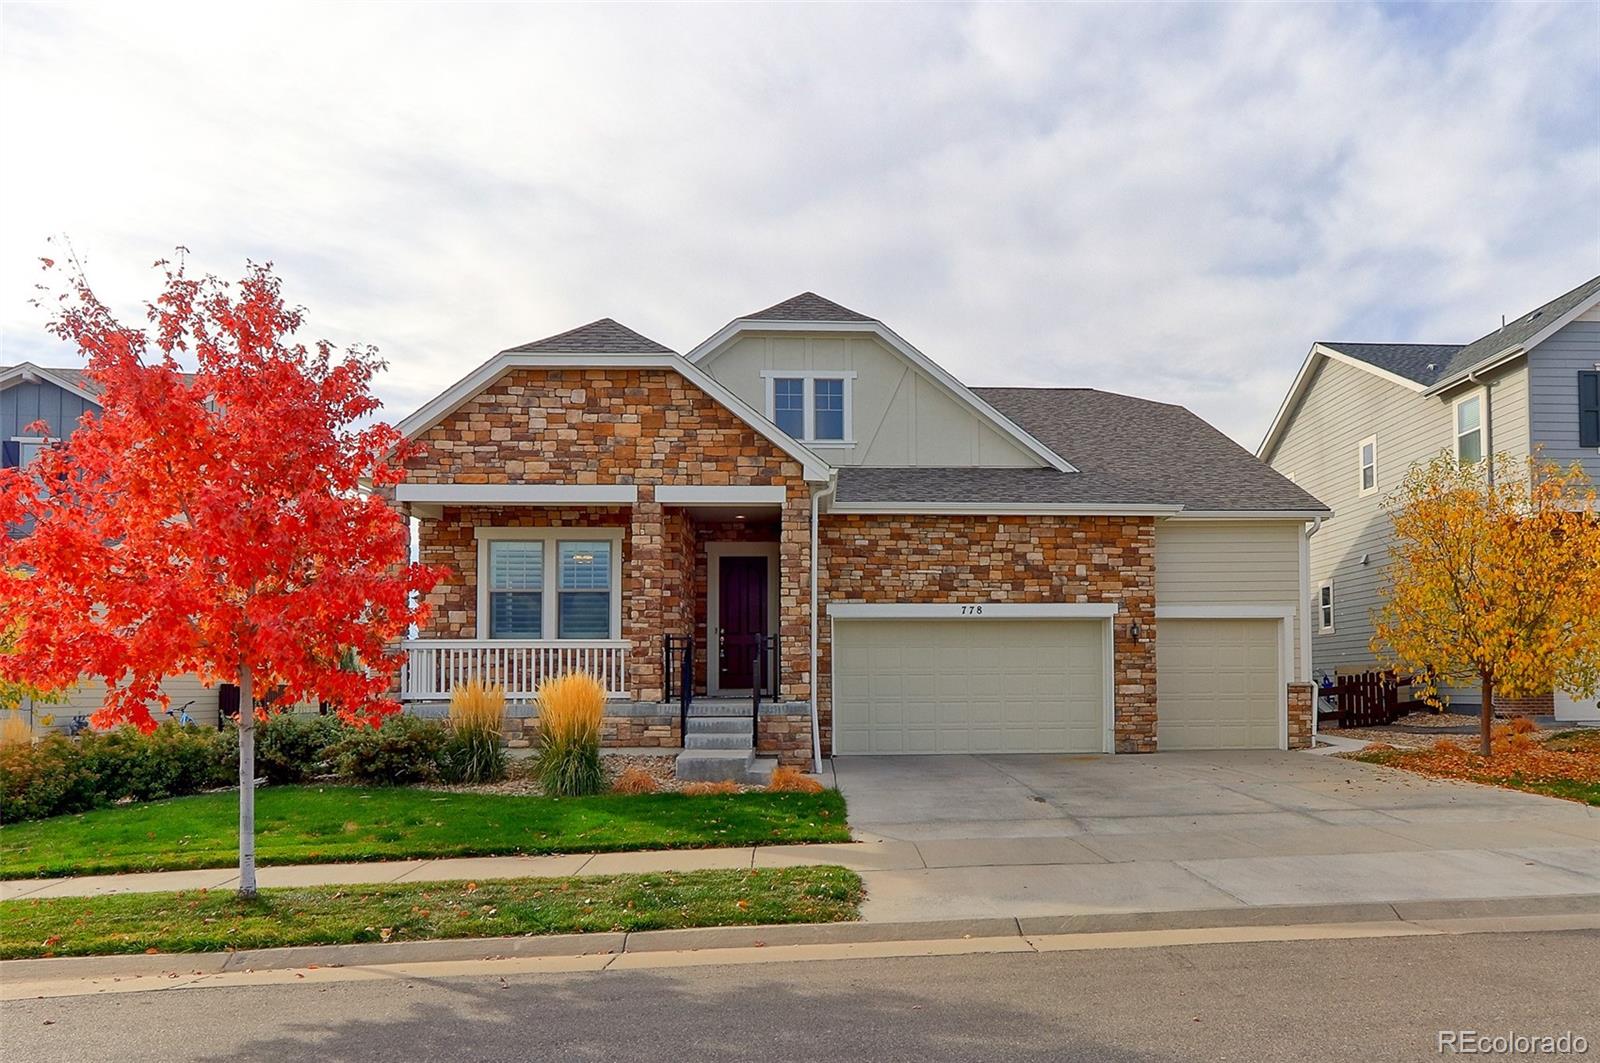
(742, 616)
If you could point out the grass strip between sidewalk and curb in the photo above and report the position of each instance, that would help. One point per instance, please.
(334, 824)
(211, 920)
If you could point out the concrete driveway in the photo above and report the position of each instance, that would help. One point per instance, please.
(970, 836)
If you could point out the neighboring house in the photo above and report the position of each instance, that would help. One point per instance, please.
(1360, 415)
(59, 398)
(806, 496)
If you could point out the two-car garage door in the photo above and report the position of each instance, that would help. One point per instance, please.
(982, 686)
(1039, 685)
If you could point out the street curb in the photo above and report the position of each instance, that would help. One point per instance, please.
(746, 937)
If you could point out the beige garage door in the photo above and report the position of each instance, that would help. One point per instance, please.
(1217, 684)
(957, 686)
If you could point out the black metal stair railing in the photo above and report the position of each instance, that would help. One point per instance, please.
(677, 677)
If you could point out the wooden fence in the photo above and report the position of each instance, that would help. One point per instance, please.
(1368, 699)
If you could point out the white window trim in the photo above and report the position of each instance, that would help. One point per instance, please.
(1325, 620)
(809, 390)
(1456, 434)
(552, 575)
(1361, 466)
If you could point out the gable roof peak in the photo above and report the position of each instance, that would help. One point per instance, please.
(807, 306)
(604, 336)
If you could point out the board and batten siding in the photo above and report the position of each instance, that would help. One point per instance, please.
(1320, 451)
(1230, 562)
(1553, 369)
(900, 416)
(23, 403)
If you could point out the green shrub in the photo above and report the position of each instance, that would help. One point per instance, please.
(293, 747)
(405, 749)
(46, 778)
(569, 735)
(171, 761)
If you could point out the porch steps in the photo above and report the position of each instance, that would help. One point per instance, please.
(720, 747)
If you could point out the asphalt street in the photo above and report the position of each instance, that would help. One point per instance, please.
(1369, 999)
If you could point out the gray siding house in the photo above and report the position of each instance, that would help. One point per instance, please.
(59, 398)
(1359, 415)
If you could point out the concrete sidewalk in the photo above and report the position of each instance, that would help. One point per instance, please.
(858, 854)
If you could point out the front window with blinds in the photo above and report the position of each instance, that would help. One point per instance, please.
(583, 606)
(516, 590)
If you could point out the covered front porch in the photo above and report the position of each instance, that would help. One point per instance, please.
(664, 594)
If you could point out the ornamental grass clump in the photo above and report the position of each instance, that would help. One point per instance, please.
(569, 735)
(474, 753)
(15, 731)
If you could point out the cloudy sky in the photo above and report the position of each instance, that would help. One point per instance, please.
(1172, 201)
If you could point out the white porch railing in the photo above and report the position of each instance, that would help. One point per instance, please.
(433, 666)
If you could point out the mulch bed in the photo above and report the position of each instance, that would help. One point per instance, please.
(1522, 759)
(521, 781)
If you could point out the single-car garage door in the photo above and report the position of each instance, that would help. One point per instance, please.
(1217, 684)
(956, 686)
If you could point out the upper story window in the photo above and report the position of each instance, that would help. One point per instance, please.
(1589, 408)
(813, 406)
(789, 405)
(1469, 429)
(1369, 465)
(543, 583)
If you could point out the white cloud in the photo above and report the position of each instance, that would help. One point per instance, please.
(1169, 201)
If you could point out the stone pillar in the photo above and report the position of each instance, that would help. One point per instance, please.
(643, 589)
(794, 594)
(1302, 709)
(1130, 564)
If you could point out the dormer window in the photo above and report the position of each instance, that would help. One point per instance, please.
(813, 406)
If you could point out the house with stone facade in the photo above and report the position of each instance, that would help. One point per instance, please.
(804, 538)
(1360, 415)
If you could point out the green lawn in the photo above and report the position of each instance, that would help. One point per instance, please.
(322, 824)
(202, 921)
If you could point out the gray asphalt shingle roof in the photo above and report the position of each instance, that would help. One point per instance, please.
(1421, 362)
(605, 336)
(1429, 363)
(807, 306)
(1127, 451)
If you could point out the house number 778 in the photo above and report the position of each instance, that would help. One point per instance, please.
(971, 610)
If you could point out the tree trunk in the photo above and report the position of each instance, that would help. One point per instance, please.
(247, 785)
(1486, 717)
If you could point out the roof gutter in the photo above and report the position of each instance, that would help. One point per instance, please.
(1305, 620)
(1470, 375)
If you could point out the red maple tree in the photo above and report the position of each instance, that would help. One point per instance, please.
(227, 522)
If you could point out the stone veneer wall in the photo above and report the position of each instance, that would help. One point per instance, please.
(924, 558)
(646, 427)
(1302, 706)
(1538, 705)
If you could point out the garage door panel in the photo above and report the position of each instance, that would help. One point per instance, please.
(1217, 684)
(995, 686)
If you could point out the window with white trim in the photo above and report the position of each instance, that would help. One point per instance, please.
(813, 406)
(1469, 429)
(516, 589)
(789, 405)
(1368, 451)
(583, 607)
(549, 583)
(1325, 606)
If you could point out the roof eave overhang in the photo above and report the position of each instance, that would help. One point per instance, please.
(1468, 375)
(1254, 514)
(724, 336)
(815, 470)
(28, 373)
(1004, 509)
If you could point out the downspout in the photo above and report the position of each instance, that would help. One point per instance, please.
(1305, 624)
(816, 506)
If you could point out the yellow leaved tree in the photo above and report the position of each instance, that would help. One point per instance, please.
(1494, 580)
